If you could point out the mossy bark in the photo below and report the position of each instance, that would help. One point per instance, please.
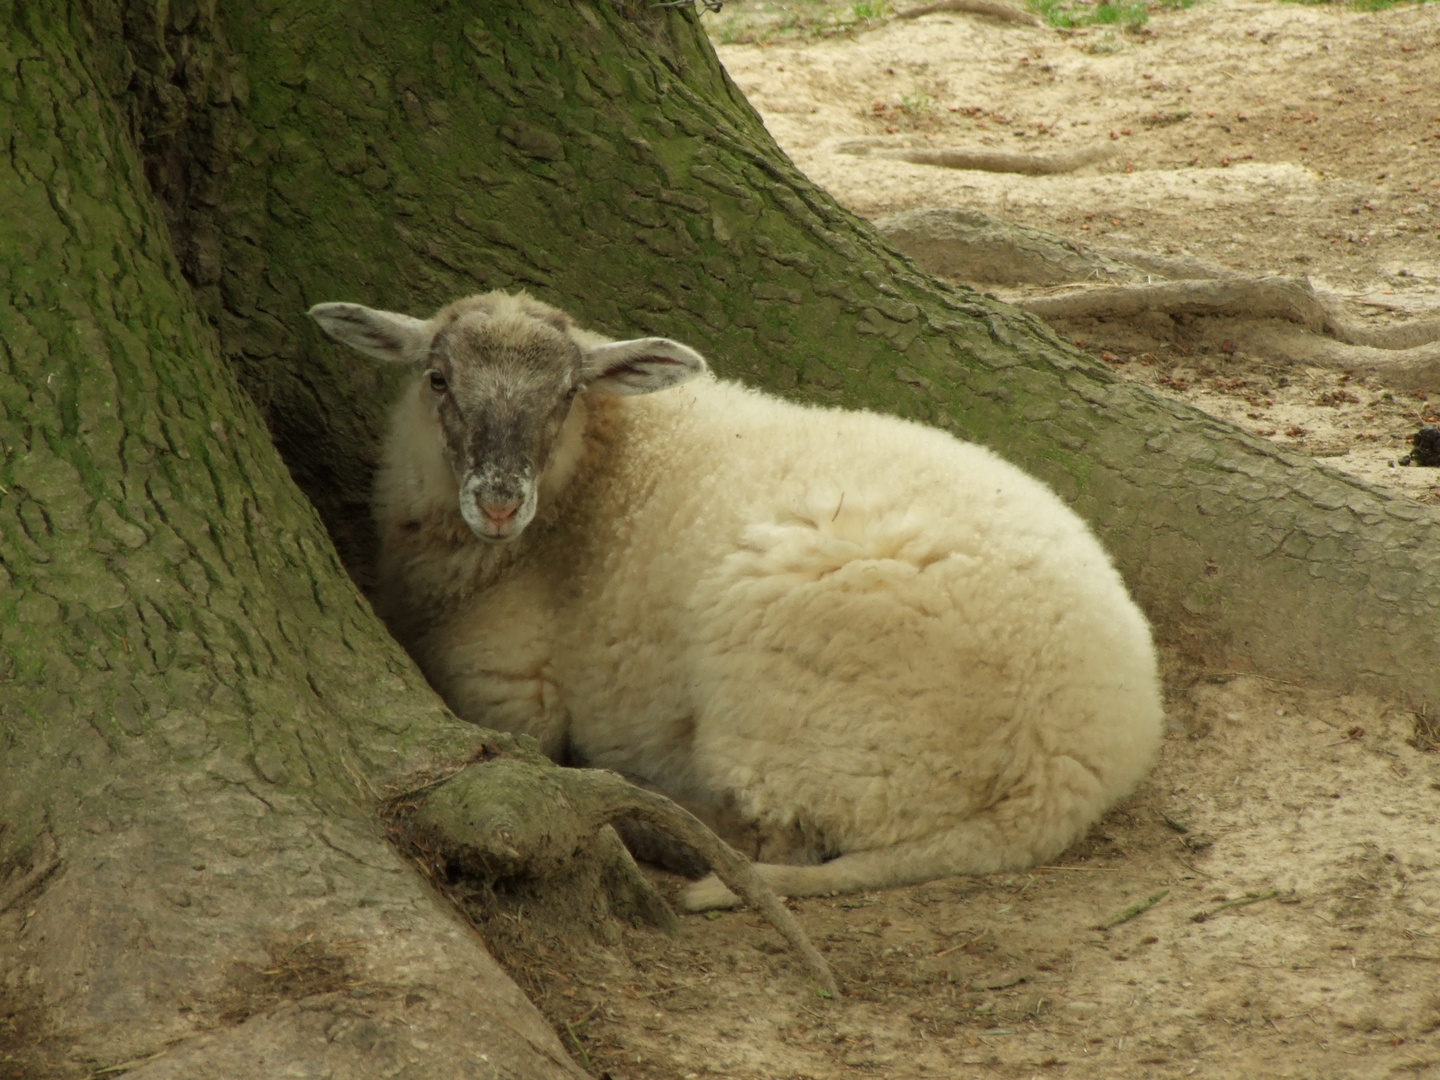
(200, 713)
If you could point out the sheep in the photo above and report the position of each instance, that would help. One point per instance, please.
(887, 654)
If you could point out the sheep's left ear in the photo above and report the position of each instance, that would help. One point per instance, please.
(641, 366)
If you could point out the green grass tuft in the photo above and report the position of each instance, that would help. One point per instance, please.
(1125, 14)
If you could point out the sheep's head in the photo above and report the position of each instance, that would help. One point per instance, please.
(502, 373)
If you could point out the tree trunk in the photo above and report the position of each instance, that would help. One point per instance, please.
(200, 713)
(199, 710)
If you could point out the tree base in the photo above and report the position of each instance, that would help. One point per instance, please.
(514, 834)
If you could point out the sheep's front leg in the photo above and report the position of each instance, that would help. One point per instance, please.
(520, 703)
(495, 671)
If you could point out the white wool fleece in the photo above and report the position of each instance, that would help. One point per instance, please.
(894, 654)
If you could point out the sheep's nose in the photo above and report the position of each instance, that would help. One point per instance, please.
(499, 513)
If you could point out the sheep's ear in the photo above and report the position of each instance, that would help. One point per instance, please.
(641, 366)
(384, 335)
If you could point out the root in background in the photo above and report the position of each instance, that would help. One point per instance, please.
(973, 7)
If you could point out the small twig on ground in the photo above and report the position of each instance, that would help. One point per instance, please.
(972, 7)
(126, 1066)
(1192, 867)
(570, 1030)
(963, 944)
(1256, 675)
(1427, 731)
(44, 865)
(1178, 826)
(1244, 901)
(1134, 909)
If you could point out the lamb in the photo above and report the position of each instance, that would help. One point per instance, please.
(887, 654)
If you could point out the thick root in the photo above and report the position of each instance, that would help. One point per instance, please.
(972, 246)
(613, 797)
(708, 894)
(1284, 319)
(1416, 368)
(1287, 298)
(1281, 317)
(522, 818)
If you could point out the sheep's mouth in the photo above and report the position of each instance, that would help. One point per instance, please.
(495, 514)
(491, 531)
(496, 527)
(495, 534)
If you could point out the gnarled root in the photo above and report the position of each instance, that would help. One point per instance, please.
(521, 817)
(968, 245)
(1281, 317)
(1285, 318)
(1287, 298)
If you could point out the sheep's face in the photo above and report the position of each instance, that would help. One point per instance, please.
(502, 374)
(502, 389)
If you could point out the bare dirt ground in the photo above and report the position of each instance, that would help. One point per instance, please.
(1264, 137)
(1287, 844)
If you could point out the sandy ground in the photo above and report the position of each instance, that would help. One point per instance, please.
(1316, 809)
(1287, 842)
(1266, 137)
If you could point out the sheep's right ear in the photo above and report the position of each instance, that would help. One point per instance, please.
(385, 335)
(641, 366)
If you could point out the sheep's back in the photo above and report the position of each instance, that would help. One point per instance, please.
(784, 584)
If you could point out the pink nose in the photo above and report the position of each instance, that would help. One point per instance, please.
(499, 513)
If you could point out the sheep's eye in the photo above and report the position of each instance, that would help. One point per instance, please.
(569, 394)
(437, 382)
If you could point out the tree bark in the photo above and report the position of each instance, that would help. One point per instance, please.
(201, 715)
(199, 710)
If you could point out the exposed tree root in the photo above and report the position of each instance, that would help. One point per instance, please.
(998, 161)
(972, 7)
(1287, 321)
(971, 246)
(1175, 267)
(1282, 317)
(1287, 298)
(520, 817)
(1416, 368)
(1408, 336)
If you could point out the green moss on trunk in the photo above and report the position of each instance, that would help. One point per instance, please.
(197, 708)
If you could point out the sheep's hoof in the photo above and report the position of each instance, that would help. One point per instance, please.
(707, 895)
